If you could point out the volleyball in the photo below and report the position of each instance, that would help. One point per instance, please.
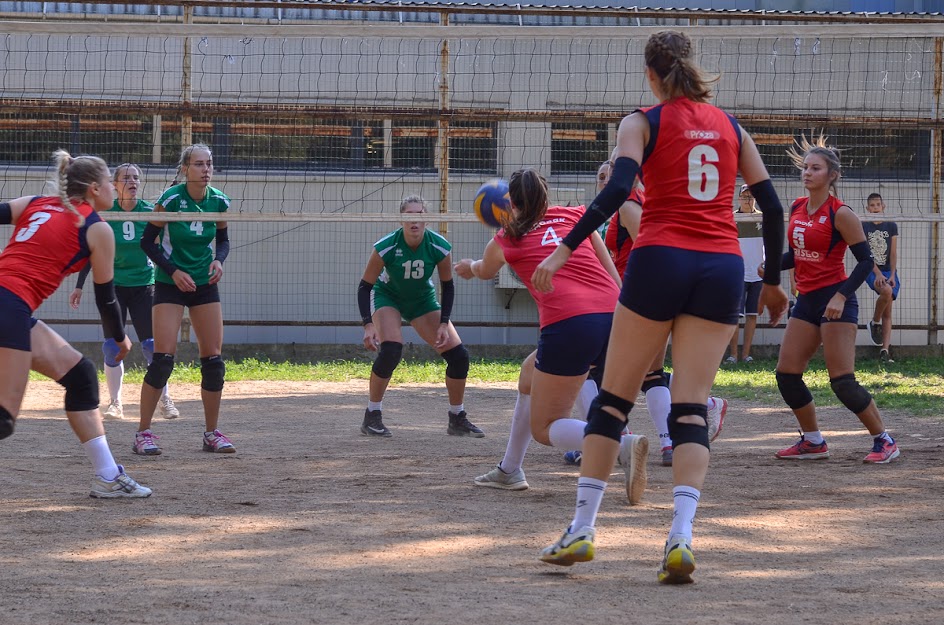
(492, 202)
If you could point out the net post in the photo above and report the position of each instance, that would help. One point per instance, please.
(936, 168)
(186, 122)
(443, 155)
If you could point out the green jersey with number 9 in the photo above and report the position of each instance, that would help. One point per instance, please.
(132, 266)
(408, 273)
(188, 243)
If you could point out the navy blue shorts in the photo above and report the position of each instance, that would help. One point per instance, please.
(665, 282)
(17, 322)
(138, 301)
(870, 280)
(570, 346)
(751, 298)
(169, 294)
(811, 306)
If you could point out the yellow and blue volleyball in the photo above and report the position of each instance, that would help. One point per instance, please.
(492, 203)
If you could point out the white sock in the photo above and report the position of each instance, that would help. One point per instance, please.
(113, 378)
(885, 436)
(588, 392)
(102, 461)
(165, 393)
(589, 495)
(814, 437)
(658, 402)
(456, 409)
(519, 436)
(567, 434)
(686, 504)
(375, 405)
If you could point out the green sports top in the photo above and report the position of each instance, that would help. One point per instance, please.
(408, 273)
(188, 243)
(132, 266)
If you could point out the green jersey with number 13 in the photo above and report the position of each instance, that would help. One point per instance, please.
(408, 273)
(189, 243)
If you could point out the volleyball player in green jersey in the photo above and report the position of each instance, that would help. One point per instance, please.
(188, 271)
(134, 286)
(398, 283)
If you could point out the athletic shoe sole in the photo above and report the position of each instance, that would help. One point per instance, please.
(578, 551)
(678, 567)
(818, 456)
(886, 460)
(635, 467)
(499, 485)
(366, 431)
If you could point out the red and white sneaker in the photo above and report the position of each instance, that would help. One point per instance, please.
(882, 452)
(804, 450)
(716, 414)
(216, 442)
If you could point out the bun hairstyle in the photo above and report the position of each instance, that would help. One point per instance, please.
(527, 190)
(669, 55)
(185, 158)
(74, 176)
(803, 147)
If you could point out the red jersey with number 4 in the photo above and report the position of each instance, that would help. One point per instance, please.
(818, 248)
(46, 246)
(689, 170)
(618, 240)
(581, 287)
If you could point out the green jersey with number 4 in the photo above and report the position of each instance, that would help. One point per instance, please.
(189, 243)
(408, 273)
(132, 266)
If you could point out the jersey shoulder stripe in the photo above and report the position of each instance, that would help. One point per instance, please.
(384, 239)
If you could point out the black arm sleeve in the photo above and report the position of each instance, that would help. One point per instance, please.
(363, 301)
(110, 311)
(6, 213)
(863, 268)
(222, 244)
(772, 223)
(83, 274)
(448, 297)
(788, 261)
(606, 203)
(153, 250)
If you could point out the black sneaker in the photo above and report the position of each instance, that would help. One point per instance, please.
(373, 424)
(875, 333)
(459, 425)
(884, 356)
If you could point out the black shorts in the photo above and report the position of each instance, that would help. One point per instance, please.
(570, 346)
(664, 282)
(751, 298)
(811, 306)
(136, 300)
(170, 294)
(17, 322)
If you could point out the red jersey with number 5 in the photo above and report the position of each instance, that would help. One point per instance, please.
(45, 247)
(581, 287)
(818, 248)
(689, 169)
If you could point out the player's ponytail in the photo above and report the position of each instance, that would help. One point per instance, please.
(803, 147)
(527, 190)
(669, 55)
(74, 176)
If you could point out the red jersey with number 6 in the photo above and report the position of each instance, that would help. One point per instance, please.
(818, 247)
(689, 169)
(581, 287)
(46, 246)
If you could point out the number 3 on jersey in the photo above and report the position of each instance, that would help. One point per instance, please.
(703, 178)
(35, 221)
(550, 237)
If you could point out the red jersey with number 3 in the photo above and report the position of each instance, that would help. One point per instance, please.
(818, 248)
(581, 287)
(618, 240)
(689, 169)
(46, 246)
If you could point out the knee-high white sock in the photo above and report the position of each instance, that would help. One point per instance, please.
(113, 378)
(589, 495)
(659, 401)
(588, 392)
(519, 436)
(686, 504)
(567, 434)
(102, 460)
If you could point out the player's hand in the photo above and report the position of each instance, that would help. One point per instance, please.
(184, 282)
(442, 334)
(774, 299)
(123, 348)
(891, 281)
(75, 299)
(371, 338)
(215, 271)
(463, 268)
(541, 278)
(835, 307)
(880, 281)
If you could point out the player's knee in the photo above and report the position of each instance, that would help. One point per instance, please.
(212, 373)
(682, 432)
(387, 359)
(793, 389)
(604, 423)
(158, 372)
(147, 346)
(6, 423)
(851, 393)
(654, 379)
(111, 350)
(81, 384)
(457, 362)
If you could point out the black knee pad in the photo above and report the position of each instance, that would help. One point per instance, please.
(158, 372)
(688, 432)
(387, 359)
(601, 422)
(793, 389)
(81, 384)
(212, 372)
(457, 362)
(659, 378)
(6, 423)
(850, 392)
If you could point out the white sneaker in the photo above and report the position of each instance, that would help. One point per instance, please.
(496, 478)
(121, 486)
(730, 360)
(166, 408)
(114, 410)
(633, 453)
(716, 418)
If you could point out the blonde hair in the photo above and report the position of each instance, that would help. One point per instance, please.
(126, 166)
(527, 190)
(185, 158)
(74, 176)
(413, 199)
(669, 55)
(817, 145)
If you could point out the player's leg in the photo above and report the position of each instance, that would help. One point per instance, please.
(140, 307)
(800, 341)
(659, 402)
(166, 317)
(115, 369)
(752, 296)
(876, 331)
(387, 320)
(207, 321)
(887, 320)
(15, 358)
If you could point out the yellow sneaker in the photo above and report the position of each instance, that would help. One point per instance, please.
(678, 563)
(571, 548)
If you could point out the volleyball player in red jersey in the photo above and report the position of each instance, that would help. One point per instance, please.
(52, 238)
(826, 311)
(684, 277)
(575, 326)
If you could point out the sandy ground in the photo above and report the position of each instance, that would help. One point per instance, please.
(312, 523)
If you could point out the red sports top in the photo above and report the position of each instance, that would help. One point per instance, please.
(689, 169)
(581, 287)
(618, 240)
(46, 246)
(818, 248)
